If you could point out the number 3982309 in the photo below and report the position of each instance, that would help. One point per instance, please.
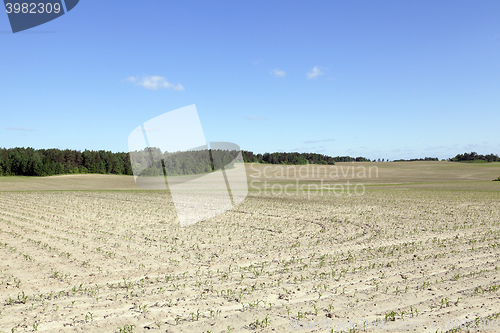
(32, 8)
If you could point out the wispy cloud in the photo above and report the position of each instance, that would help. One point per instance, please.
(319, 148)
(19, 129)
(254, 118)
(278, 73)
(315, 72)
(472, 146)
(154, 83)
(316, 141)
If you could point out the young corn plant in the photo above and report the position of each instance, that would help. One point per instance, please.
(260, 324)
(126, 329)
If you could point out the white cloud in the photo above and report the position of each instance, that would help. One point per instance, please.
(154, 83)
(315, 141)
(278, 73)
(254, 118)
(315, 72)
(19, 129)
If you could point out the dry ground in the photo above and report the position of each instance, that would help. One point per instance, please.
(413, 248)
(376, 173)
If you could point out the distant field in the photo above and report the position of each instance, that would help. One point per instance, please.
(421, 244)
(375, 173)
(68, 182)
(388, 173)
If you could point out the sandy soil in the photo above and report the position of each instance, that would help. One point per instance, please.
(117, 261)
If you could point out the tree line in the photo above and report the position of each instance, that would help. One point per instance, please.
(152, 162)
(473, 156)
(49, 162)
(297, 158)
(418, 159)
(148, 162)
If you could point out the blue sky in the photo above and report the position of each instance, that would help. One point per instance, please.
(380, 79)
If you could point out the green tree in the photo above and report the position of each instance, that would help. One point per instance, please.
(37, 165)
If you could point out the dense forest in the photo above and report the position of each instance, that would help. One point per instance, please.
(475, 157)
(150, 162)
(48, 162)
